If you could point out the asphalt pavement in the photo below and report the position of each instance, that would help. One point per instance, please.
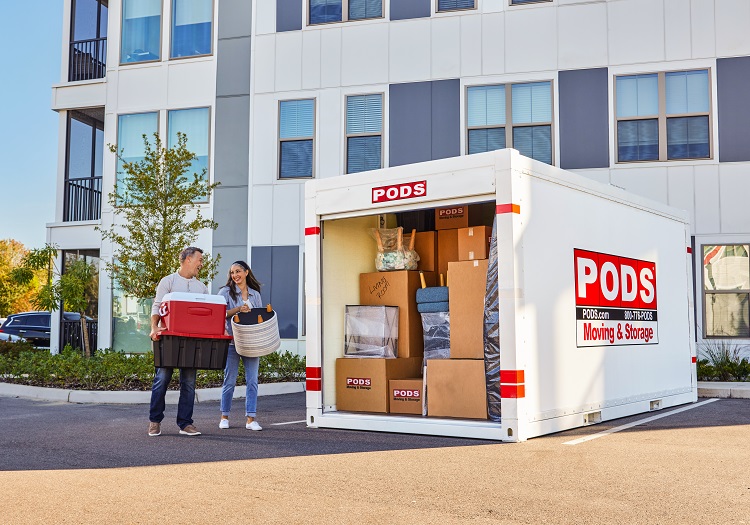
(68, 463)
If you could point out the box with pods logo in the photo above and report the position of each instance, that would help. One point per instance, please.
(405, 396)
(362, 383)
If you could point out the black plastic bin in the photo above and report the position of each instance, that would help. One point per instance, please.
(177, 351)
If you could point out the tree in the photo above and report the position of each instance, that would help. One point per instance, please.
(68, 287)
(152, 199)
(14, 296)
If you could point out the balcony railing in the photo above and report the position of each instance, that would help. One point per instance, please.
(83, 199)
(88, 59)
(71, 333)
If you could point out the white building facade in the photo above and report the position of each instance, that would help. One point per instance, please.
(648, 95)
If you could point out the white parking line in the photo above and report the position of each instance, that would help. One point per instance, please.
(636, 423)
(290, 422)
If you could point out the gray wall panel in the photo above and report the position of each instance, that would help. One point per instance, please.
(288, 15)
(234, 18)
(446, 119)
(403, 9)
(233, 68)
(232, 139)
(732, 81)
(410, 123)
(277, 268)
(584, 118)
(230, 211)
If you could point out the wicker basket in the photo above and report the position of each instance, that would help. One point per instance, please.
(253, 338)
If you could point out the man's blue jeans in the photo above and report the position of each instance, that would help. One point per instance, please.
(162, 377)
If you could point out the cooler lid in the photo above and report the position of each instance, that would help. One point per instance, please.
(189, 297)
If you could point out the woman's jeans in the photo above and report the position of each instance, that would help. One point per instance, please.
(162, 377)
(230, 380)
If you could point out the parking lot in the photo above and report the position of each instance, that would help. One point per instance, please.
(88, 463)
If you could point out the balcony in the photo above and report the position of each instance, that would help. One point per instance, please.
(83, 199)
(88, 59)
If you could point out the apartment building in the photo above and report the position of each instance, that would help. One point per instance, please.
(648, 95)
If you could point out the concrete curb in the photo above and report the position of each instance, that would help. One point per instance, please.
(202, 395)
(724, 390)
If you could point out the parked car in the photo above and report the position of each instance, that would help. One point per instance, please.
(33, 326)
(10, 338)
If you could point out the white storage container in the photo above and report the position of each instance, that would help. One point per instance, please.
(595, 304)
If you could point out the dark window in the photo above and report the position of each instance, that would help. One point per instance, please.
(454, 5)
(88, 44)
(83, 170)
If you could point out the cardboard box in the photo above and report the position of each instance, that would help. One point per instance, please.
(467, 284)
(425, 245)
(405, 396)
(398, 288)
(456, 388)
(447, 250)
(362, 384)
(462, 216)
(474, 243)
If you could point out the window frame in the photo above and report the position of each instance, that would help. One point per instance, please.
(662, 116)
(509, 125)
(161, 37)
(706, 292)
(344, 14)
(515, 3)
(347, 135)
(158, 127)
(208, 146)
(459, 9)
(279, 140)
(171, 32)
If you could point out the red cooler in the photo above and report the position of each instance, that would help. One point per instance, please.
(199, 315)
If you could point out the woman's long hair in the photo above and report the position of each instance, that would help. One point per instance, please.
(250, 280)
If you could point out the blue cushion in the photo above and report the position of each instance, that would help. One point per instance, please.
(425, 308)
(432, 294)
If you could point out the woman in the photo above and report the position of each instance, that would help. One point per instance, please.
(242, 293)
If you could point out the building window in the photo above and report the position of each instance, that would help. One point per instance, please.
(663, 116)
(364, 128)
(325, 11)
(511, 116)
(455, 5)
(141, 31)
(194, 124)
(130, 138)
(83, 165)
(88, 40)
(726, 288)
(191, 28)
(296, 135)
(521, 2)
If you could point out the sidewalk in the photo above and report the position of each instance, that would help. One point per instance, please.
(202, 395)
(724, 390)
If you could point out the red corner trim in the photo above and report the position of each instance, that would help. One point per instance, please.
(689, 249)
(313, 385)
(312, 372)
(512, 376)
(513, 391)
(694, 359)
(507, 208)
(313, 230)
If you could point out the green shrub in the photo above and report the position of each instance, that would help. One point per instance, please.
(110, 370)
(722, 361)
(8, 348)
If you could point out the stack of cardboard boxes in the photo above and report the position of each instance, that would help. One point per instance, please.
(456, 386)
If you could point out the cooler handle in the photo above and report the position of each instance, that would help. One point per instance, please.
(199, 310)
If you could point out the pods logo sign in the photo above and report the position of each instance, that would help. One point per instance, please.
(408, 190)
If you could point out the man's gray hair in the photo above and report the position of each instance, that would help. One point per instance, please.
(187, 252)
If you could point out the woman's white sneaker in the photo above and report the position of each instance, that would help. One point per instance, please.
(224, 423)
(253, 425)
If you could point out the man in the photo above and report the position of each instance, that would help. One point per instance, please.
(183, 280)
